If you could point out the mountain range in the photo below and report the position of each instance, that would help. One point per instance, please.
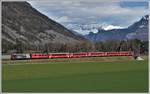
(138, 30)
(20, 21)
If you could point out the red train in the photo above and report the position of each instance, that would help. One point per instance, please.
(68, 55)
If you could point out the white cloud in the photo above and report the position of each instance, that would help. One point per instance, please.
(89, 11)
(111, 10)
(62, 19)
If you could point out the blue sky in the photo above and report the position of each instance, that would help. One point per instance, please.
(116, 12)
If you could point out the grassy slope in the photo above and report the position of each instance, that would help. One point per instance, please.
(98, 76)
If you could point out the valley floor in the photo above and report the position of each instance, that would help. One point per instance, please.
(96, 74)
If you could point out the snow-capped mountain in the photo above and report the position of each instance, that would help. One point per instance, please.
(138, 30)
(85, 29)
(110, 27)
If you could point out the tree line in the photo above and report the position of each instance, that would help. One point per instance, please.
(137, 46)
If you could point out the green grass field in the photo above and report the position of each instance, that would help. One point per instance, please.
(97, 74)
